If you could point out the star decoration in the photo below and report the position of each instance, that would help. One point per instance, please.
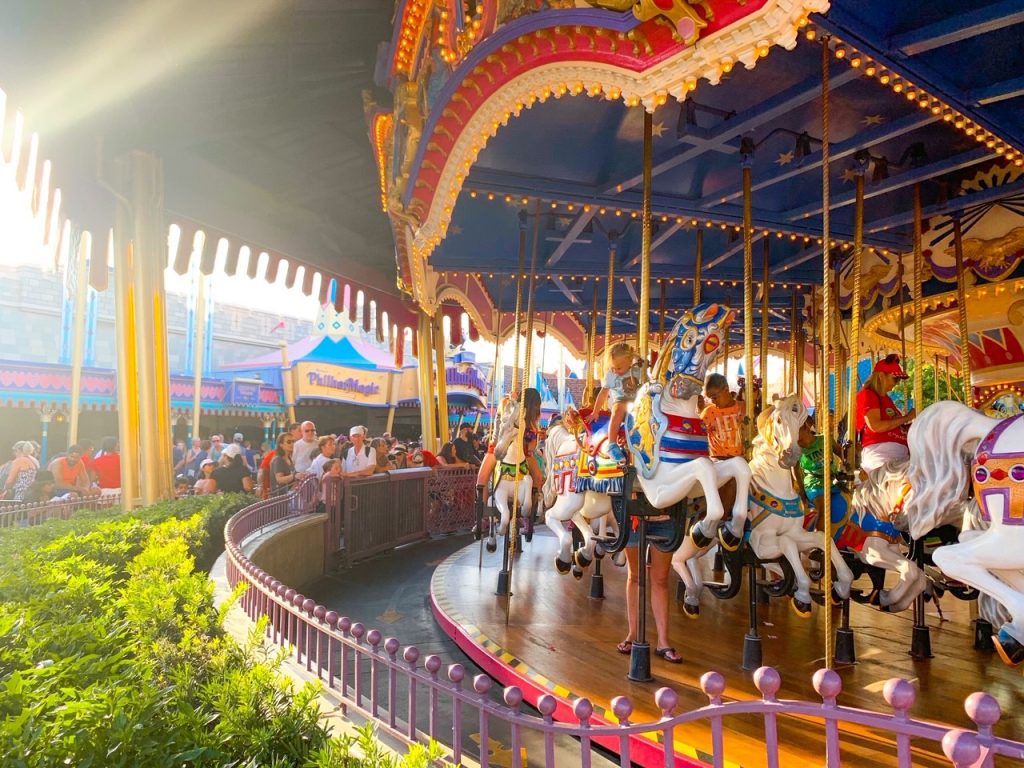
(785, 158)
(658, 129)
(848, 175)
(870, 120)
(455, 229)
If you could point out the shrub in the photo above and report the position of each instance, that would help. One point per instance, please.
(112, 653)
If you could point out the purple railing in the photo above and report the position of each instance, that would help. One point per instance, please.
(13, 513)
(373, 676)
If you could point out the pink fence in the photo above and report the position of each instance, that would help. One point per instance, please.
(374, 676)
(18, 514)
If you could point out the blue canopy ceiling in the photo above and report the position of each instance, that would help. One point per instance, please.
(576, 163)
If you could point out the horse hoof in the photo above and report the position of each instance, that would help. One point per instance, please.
(562, 567)
(691, 611)
(577, 574)
(730, 541)
(800, 608)
(582, 561)
(619, 559)
(1009, 648)
(599, 552)
(837, 599)
(492, 546)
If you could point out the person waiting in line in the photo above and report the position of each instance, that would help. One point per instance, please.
(881, 425)
(198, 457)
(464, 446)
(449, 458)
(327, 446)
(21, 472)
(248, 457)
(232, 476)
(400, 456)
(330, 483)
(723, 418)
(282, 469)
(381, 457)
(216, 447)
(70, 473)
(106, 465)
(617, 391)
(42, 488)
(359, 460)
(304, 446)
(205, 484)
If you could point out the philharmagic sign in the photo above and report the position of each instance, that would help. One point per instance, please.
(350, 384)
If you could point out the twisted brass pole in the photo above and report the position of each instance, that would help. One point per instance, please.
(748, 307)
(643, 326)
(961, 305)
(698, 267)
(855, 319)
(764, 323)
(588, 393)
(918, 303)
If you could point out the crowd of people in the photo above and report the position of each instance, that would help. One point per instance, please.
(81, 471)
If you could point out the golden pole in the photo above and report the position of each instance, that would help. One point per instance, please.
(764, 324)
(935, 379)
(728, 340)
(949, 381)
(644, 319)
(815, 373)
(799, 349)
(961, 303)
(588, 393)
(440, 376)
(698, 267)
(494, 392)
(793, 330)
(918, 303)
(519, 296)
(197, 354)
(855, 317)
(748, 306)
(78, 333)
(662, 309)
(609, 295)
(826, 301)
(423, 342)
(903, 331)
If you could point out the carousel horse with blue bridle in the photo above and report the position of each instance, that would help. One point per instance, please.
(776, 514)
(669, 443)
(954, 449)
(517, 469)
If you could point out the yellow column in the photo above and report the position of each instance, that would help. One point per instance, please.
(644, 319)
(126, 366)
(858, 250)
(588, 394)
(748, 305)
(765, 319)
(918, 304)
(197, 352)
(439, 372)
(78, 333)
(140, 181)
(287, 383)
(961, 301)
(424, 370)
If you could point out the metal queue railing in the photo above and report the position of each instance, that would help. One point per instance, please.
(14, 513)
(374, 676)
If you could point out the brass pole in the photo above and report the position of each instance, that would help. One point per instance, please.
(78, 332)
(698, 267)
(794, 325)
(127, 368)
(495, 390)
(918, 303)
(855, 317)
(609, 294)
(643, 324)
(949, 382)
(427, 408)
(662, 309)
(728, 340)
(827, 300)
(935, 379)
(765, 320)
(588, 393)
(903, 331)
(519, 297)
(961, 303)
(440, 377)
(748, 306)
(287, 384)
(817, 355)
(798, 353)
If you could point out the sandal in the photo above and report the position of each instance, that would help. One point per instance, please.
(669, 655)
(625, 647)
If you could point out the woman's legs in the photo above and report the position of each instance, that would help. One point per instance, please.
(632, 591)
(661, 565)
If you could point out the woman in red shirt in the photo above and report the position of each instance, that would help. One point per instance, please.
(880, 423)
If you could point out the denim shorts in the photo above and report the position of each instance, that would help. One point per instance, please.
(662, 529)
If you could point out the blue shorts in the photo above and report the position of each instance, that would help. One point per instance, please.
(663, 529)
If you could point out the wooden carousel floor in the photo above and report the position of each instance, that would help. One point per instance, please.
(559, 640)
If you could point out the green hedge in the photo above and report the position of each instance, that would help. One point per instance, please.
(112, 653)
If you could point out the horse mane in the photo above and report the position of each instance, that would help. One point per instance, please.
(941, 440)
(878, 495)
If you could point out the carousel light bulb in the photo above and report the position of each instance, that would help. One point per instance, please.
(870, 70)
(911, 95)
(897, 86)
(586, 208)
(763, 48)
(618, 211)
(525, 200)
(884, 78)
(490, 195)
(811, 33)
(856, 61)
(508, 198)
(840, 52)
(727, 65)
(602, 211)
(691, 83)
(554, 204)
(970, 129)
(472, 193)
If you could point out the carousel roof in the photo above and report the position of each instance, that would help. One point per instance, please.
(531, 131)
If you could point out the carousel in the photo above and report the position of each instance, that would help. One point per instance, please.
(825, 191)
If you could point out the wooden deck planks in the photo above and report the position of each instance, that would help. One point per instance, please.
(557, 631)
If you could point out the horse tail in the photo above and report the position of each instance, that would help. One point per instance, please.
(941, 442)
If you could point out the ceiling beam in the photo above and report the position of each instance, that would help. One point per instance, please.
(914, 175)
(990, 94)
(766, 111)
(738, 248)
(570, 237)
(662, 237)
(839, 150)
(954, 29)
(803, 256)
(560, 285)
(960, 203)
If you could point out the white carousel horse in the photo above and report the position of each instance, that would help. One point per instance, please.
(870, 533)
(563, 503)
(942, 440)
(508, 450)
(669, 444)
(776, 516)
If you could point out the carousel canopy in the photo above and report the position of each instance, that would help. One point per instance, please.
(514, 131)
